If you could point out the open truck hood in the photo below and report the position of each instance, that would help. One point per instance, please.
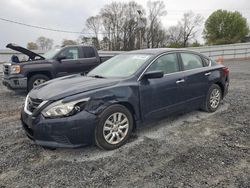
(30, 54)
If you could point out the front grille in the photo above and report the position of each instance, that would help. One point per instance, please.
(32, 104)
(6, 69)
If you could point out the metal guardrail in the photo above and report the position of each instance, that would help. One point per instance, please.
(228, 54)
(230, 51)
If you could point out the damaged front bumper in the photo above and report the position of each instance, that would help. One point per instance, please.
(68, 132)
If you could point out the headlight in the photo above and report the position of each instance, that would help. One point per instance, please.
(60, 109)
(15, 69)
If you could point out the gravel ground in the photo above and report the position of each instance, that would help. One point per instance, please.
(195, 149)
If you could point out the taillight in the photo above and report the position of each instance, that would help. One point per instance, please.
(226, 71)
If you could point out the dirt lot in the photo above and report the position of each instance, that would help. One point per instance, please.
(190, 150)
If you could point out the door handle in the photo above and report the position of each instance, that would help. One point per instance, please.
(207, 73)
(180, 81)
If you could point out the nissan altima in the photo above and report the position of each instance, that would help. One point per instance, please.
(106, 105)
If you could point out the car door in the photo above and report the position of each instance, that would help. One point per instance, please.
(162, 95)
(88, 59)
(69, 65)
(196, 78)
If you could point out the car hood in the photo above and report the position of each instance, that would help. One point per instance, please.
(30, 54)
(42, 61)
(70, 85)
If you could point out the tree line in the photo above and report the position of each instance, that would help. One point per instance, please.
(129, 25)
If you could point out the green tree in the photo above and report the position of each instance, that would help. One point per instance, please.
(195, 44)
(225, 27)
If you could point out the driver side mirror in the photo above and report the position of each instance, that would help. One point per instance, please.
(153, 74)
(60, 57)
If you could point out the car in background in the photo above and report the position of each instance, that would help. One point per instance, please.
(121, 94)
(25, 75)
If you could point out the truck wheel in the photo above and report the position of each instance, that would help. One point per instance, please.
(114, 127)
(36, 80)
(213, 99)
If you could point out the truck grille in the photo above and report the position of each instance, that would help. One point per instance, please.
(6, 69)
(32, 104)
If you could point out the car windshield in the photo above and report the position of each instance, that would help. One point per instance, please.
(120, 66)
(51, 53)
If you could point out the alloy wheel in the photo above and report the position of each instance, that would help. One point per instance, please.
(116, 128)
(215, 98)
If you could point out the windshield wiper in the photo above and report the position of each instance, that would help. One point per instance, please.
(96, 76)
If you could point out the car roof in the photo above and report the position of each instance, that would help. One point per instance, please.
(157, 51)
(77, 45)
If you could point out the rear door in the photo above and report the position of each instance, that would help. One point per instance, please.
(88, 59)
(162, 95)
(196, 78)
(70, 64)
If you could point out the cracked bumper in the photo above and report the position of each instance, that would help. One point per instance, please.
(67, 132)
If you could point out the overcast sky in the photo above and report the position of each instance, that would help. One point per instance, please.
(71, 15)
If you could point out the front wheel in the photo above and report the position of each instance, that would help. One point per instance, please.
(36, 80)
(114, 127)
(213, 98)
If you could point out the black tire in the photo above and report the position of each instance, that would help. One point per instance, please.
(34, 78)
(108, 114)
(208, 106)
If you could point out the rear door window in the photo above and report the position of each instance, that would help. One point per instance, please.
(89, 52)
(206, 62)
(191, 61)
(70, 53)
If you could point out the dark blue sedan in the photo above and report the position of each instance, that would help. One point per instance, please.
(107, 104)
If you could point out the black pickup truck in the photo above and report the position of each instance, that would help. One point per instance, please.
(37, 69)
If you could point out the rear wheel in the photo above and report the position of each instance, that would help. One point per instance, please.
(114, 127)
(213, 98)
(36, 80)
